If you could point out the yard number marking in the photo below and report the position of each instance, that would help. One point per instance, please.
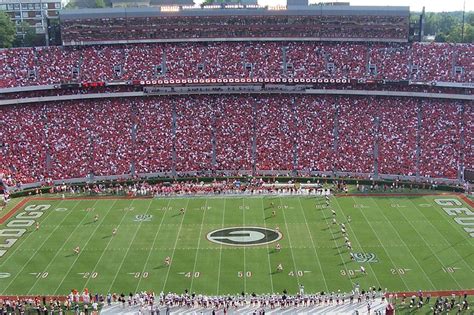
(138, 275)
(190, 274)
(399, 271)
(86, 275)
(297, 273)
(4, 275)
(450, 269)
(40, 275)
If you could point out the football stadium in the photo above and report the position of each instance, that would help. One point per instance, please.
(170, 157)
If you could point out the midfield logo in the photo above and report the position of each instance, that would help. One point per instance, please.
(244, 236)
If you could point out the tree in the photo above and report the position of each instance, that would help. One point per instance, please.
(99, 4)
(7, 31)
(27, 36)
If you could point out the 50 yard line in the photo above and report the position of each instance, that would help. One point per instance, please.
(245, 271)
(268, 249)
(220, 251)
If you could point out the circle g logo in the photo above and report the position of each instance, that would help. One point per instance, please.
(244, 236)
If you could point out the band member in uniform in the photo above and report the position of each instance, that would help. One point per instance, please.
(96, 218)
(279, 267)
(37, 226)
(76, 250)
(181, 211)
(168, 260)
(114, 231)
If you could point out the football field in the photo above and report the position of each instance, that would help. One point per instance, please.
(226, 245)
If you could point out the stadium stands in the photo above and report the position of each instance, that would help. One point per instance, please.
(78, 27)
(397, 136)
(315, 133)
(440, 135)
(306, 133)
(54, 65)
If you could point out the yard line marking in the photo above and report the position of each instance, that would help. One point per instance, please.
(434, 252)
(59, 251)
(268, 249)
(198, 244)
(349, 226)
(400, 238)
(153, 244)
(90, 237)
(289, 241)
(175, 244)
(128, 249)
(447, 242)
(36, 251)
(18, 244)
(314, 247)
(243, 219)
(220, 251)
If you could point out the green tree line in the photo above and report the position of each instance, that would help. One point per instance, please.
(447, 26)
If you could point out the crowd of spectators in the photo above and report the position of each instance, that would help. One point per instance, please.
(440, 135)
(389, 61)
(356, 129)
(234, 123)
(274, 133)
(468, 137)
(153, 121)
(397, 135)
(73, 139)
(357, 300)
(227, 60)
(228, 26)
(193, 140)
(315, 133)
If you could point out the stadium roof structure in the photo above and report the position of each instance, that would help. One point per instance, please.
(244, 11)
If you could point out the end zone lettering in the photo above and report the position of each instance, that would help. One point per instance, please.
(463, 216)
(17, 227)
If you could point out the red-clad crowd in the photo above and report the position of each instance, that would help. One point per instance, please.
(397, 135)
(203, 133)
(407, 61)
(440, 138)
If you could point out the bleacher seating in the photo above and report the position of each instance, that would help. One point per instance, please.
(417, 61)
(306, 133)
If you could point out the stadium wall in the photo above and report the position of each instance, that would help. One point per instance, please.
(228, 90)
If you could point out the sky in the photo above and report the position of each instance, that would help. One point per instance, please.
(415, 5)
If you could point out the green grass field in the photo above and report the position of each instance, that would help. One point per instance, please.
(413, 242)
